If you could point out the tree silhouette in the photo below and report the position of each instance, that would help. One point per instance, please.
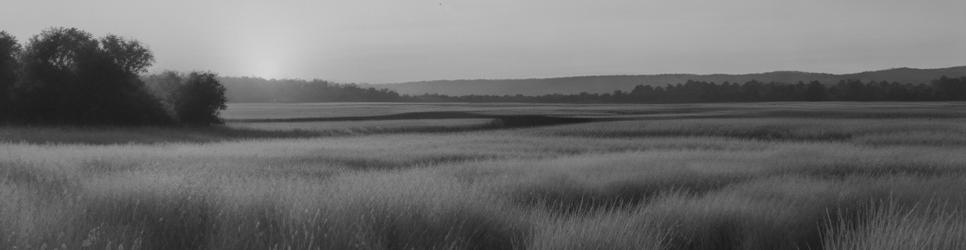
(129, 56)
(815, 91)
(950, 89)
(71, 78)
(49, 88)
(164, 87)
(200, 99)
(9, 51)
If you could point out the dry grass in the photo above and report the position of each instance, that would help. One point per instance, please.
(674, 184)
(889, 225)
(882, 132)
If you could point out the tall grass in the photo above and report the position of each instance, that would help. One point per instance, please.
(606, 229)
(676, 184)
(359, 211)
(889, 225)
(922, 132)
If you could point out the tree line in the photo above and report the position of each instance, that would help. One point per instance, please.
(67, 76)
(248, 89)
(943, 89)
(253, 89)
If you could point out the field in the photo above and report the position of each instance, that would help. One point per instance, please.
(498, 176)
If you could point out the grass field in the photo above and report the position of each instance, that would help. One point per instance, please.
(391, 176)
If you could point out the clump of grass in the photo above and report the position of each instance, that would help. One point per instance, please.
(250, 222)
(44, 181)
(147, 221)
(890, 225)
(773, 213)
(590, 182)
(609, 229)
(731, 222)
(411, 211)
(577, 195)
(140, 135)
(137, 211)
(16, 212)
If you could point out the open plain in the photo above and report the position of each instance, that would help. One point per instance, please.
(822, 175)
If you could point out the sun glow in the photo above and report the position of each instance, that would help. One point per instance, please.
(266, 62)
(265, 55)
(266, 68)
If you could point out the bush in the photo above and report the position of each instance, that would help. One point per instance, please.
(891, 226)
(199, 100)
(193, 99)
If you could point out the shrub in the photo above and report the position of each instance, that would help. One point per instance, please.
(199, 100)
(891, 226)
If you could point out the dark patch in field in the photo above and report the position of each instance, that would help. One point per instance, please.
(139, 135)
(572, 198)
(827, 114)
(360, 163)
(522, 121)
(400, 116)
(755, 134)
(150, 135)
(843, 171)
(500, 121)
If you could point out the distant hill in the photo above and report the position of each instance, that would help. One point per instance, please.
(606, 84)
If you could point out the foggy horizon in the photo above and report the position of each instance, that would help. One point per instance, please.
(382, 41)
(593, 75)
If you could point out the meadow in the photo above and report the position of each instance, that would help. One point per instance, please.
(497, 176)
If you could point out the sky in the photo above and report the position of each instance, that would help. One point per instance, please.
(384, 41)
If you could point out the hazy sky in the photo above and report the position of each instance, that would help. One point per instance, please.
(404, 40)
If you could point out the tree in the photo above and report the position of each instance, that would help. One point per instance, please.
(950, 89)
(199, 99)
(128, 55)
(815, 91)
(165, 87)
(9, 64)
(48, 89)
(71, 78)
(119, 96)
